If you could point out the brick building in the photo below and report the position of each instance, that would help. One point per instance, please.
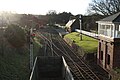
(108, 56)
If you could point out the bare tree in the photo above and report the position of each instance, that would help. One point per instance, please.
(105, 7)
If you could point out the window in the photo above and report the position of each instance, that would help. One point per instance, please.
(111, 27)
(111, 30)
(101, 55)
(108, 59)
(102, 26)
(117, 28)
(107, 26)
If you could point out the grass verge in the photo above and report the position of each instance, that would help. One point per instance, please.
(88, 44)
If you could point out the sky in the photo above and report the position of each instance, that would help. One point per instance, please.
(43, 6)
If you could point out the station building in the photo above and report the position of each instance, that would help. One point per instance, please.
(108, 56)
(73, 24)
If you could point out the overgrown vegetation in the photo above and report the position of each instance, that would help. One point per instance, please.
(14, 63)
(37, 46)
(89, 45)
(14, 66)
(117, 70)
(15, 35)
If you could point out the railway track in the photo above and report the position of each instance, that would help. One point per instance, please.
(83, 67)
(58, 47)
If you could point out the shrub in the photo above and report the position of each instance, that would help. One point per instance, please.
(15, 35)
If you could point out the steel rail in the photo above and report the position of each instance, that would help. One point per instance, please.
(81, 60)
(71, 58)
(76, 63)
(64, 55)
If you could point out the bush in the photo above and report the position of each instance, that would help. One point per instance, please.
(15, 35)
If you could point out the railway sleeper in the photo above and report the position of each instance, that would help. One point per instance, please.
(76, 77)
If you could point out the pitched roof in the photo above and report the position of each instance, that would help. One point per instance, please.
(70, 22)
(113, 18)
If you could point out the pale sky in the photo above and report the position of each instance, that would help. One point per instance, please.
(43, 6)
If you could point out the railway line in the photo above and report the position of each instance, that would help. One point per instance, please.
(56, 46)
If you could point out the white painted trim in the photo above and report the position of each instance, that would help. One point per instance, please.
(107, 22)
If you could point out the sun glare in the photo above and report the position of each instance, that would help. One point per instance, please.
(43, 6)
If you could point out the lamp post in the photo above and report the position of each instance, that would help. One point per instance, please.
(80, 20)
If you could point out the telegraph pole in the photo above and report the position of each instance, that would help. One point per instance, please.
(80, 20)
(31, 49)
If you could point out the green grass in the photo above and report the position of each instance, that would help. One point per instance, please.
(88, 44)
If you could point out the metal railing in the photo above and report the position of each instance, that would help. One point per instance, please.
(66, 74)
(90, 34)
